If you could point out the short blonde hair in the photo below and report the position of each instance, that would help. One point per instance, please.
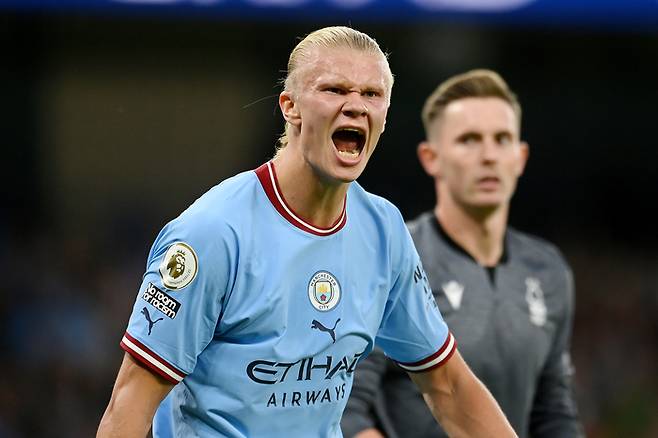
(474, 83)
(328, 37)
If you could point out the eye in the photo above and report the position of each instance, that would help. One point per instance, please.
(504, 139)
(371, 93)
(334, 90)
(469, 139)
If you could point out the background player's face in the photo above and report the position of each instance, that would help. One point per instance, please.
(479, 154)
(341, 98)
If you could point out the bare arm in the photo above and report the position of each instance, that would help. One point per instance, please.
(369, 433)
(136, 395)
(460, 402)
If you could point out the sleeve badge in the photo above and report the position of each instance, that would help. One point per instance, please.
(179, 266)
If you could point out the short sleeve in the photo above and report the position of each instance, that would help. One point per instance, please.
(413, 332)
(179, 302)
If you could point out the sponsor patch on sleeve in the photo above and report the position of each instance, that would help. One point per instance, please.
(161, 301)
(179, 266)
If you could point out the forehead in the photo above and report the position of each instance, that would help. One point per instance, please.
(346, 65)
(479, 114)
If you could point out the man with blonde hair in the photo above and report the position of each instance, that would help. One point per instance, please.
(286, 276)
(507, 296)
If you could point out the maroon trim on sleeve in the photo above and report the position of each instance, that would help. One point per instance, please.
(146, 357)
(435, 360)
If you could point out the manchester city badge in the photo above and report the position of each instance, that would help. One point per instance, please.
(323, 291)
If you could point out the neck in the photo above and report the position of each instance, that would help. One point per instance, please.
(312, 199)
(480, 233)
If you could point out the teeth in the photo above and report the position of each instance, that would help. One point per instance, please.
(355, 130)
(349, 154)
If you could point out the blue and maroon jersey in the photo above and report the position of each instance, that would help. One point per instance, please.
(260, 318)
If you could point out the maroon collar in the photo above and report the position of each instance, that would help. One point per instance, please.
(267, 177)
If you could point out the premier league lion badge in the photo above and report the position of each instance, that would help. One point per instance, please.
(179, 266)
(323, 291)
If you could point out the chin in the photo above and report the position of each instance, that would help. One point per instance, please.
(340, 176)
(484, 201)
(344, 177)
(487, 205)
(347, 174)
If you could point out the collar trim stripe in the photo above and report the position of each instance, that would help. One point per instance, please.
(267, 177)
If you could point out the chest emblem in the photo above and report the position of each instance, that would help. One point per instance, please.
(454, 292)
(323, 291)
(534, 295)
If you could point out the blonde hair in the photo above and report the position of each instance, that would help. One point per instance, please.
(474, 83)
(328, 37)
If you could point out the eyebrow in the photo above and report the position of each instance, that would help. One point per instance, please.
(343, 82)
(470, 133)
(479, 134)
(504, 133)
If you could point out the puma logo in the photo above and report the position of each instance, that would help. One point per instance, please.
(146, 314)
(332, 331)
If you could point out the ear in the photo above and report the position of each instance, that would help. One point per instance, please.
(289, 108)
(428, 157)
(524, 153)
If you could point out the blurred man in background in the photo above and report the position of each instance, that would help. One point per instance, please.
(507, 296)
(260, 298)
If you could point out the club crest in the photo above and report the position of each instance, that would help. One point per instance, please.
(454, 292)
(323, 291)
(534, 295)
(179, 266)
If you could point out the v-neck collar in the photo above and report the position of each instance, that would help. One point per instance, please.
(267, 176)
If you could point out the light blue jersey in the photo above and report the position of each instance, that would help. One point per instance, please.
(261, 318)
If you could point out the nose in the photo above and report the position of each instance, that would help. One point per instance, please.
(490, 150)
(354, 106)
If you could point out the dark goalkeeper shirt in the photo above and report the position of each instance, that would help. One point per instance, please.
(513, 327)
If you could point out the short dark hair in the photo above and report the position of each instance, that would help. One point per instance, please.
(474, 83)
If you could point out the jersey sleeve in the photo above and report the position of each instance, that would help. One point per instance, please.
(413, 332)
(180, 300)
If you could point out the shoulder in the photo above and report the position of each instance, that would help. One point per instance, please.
(375, 216)
(430, 243)
(422, 224)
(215, 216)
(222, 203)
(376, 206)
(222, 198)
(535, 250)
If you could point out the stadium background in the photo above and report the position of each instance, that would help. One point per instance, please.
(114, 118)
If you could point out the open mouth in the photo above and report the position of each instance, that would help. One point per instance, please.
(349, 142)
